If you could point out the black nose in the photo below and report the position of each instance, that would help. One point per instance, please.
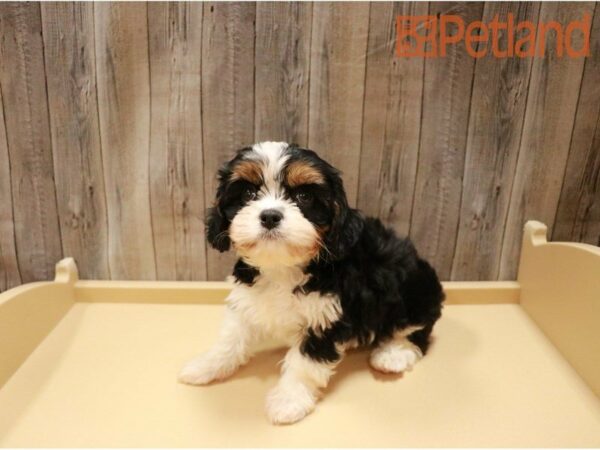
(270, 218)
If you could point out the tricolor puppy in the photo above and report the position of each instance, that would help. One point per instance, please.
(313, 272)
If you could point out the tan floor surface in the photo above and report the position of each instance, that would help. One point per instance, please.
(106, 376)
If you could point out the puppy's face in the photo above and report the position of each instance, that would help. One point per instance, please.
(277, 205)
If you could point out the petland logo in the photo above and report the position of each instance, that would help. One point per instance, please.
(430, 37)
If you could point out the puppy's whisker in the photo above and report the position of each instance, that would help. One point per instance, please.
(222, 234)
(324, 248)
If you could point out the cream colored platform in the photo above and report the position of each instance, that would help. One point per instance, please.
(105, 375)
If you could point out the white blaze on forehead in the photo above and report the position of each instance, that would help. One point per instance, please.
(272, 157)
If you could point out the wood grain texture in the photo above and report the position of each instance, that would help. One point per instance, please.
(549, 119)
(9, 265)
(176, 167)
(282, 50)
(227, 98)
(578, 215)
(391, 120)
(68, 31)
(116, 116)
(121, 39)
(29, 144)
(337, 75)
(446, 99)
(495, 127)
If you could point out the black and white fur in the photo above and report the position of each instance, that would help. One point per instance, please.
(323, 278)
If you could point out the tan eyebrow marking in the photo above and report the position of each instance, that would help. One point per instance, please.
(299, 173)
(247, 170)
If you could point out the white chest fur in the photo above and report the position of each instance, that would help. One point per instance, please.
(271, 306)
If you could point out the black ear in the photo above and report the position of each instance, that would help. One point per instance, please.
(217, 224)
(217, 230)
(347, 224)
(344, 233)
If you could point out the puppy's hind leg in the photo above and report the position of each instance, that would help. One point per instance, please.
(400, 353)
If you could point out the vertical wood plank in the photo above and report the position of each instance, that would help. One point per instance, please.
(117, 171)
(549, 119)
(337, 83)
(446, 101)
(495, 126)
(68, 30)
(227, 98)
(9, 265)
(28, 135)
(391, 120)
(176, 175)
(282, 64)
(578, 215)
(121, 39)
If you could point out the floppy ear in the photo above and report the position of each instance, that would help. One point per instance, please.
(347, 224)
(217, 224)
(344, 233)
(217, 229)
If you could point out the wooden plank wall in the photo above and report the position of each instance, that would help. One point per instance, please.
(114, 118)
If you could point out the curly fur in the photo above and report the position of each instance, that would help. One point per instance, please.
(324, 280)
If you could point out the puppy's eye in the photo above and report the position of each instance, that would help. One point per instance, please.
(303, 198)
(249, 194)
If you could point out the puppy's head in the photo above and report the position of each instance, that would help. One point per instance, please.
(278, 204)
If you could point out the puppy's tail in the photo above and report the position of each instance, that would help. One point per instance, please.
(425, 305)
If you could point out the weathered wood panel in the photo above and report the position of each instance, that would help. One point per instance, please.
(283, 32)
(391, 120)
(176, 174)
(121, 38)
(337, 76)
(68, 31)
(227, 98)
(549, 119)
(22, 79)
(9, 266)
(578, 215)
(495, 127)
(446, 98)
(118, 115)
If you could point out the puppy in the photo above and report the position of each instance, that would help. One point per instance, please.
(314, 273)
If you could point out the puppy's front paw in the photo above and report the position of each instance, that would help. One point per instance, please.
(289, 404)
(201, 370)
(394, 359)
